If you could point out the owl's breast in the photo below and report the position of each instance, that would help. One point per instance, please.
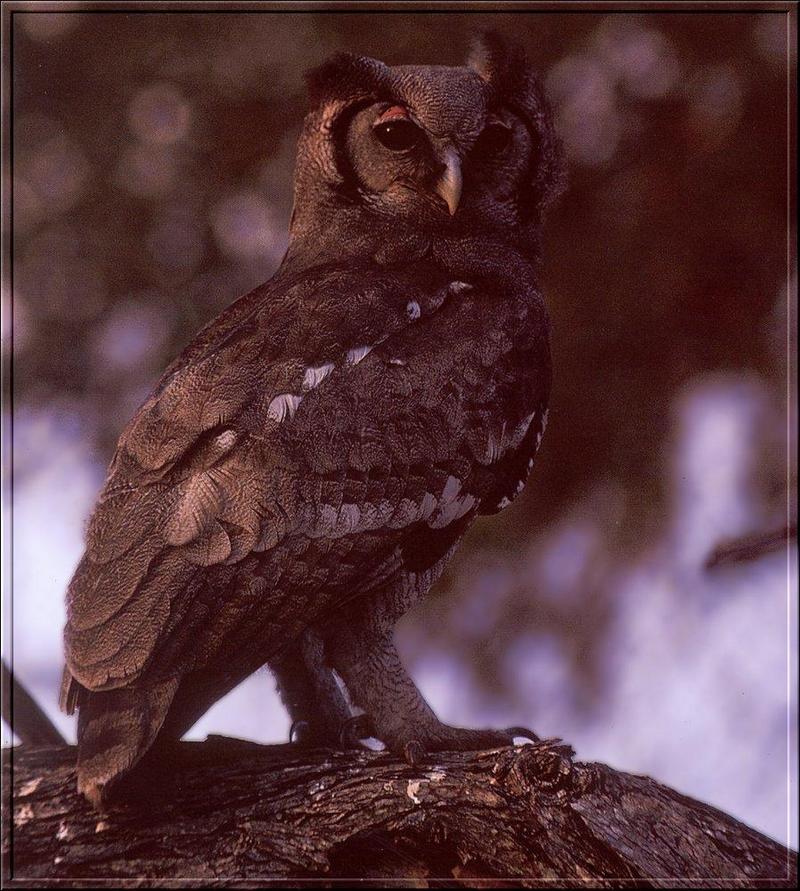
(461, 390)
(482, 363)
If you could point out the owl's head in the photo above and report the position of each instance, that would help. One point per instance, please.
(414, 153)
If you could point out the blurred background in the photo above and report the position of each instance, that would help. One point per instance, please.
(152, 165)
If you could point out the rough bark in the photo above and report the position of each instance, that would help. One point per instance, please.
(226, 812)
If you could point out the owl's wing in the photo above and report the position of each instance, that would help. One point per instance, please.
(209, 470)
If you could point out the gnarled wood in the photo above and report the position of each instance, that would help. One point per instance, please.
(228, 812)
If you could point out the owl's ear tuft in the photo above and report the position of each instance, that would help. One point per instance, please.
(343, 76)
(512, 82)
(500, 62)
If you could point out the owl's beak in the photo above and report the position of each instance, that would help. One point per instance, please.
(448, 186)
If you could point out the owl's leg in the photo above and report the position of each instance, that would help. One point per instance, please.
(377, 681)
(320, 712)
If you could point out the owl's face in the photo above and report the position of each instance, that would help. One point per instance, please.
(426, 151)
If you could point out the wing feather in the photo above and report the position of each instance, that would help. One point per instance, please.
(206, 474)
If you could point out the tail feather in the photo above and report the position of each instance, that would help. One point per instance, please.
(115, 729)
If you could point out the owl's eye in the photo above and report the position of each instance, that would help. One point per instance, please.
(399, 135)
(494, 140)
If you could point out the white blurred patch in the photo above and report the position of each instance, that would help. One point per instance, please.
(159, 114)
(537, 666)
(253, 711)
(20, 326)
(133, 333)
(643, 59)
(176, 242)
(58, 276)
(717, 427)
(586, 113)
(771, 38)
(588, 89)
(245, 226)
(55, 484)
(58, 172)
(28, 206)
(147, 171)
(565, 558)
(716, 102)
(699, 690)
(47, 27)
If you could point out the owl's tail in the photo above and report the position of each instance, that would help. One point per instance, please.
(115, 729)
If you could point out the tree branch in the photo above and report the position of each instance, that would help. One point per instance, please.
(23, 716)
(228, 812)
(743, 550)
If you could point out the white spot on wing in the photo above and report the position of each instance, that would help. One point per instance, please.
(456, 288)
(496, 447)
(397, 361)
(503, 503)
(348, 519)
(452, 511)
(428, 506)
(355, 355)
(316, 374)
(451, 488)
(407, 511)
(413, 311)
(226, 439)
(540, 434)
(283, 406)
(522, 429)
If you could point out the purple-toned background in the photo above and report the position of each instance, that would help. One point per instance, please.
(152, 185)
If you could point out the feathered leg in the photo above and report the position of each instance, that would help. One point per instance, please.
(377, 681)
(320, 711)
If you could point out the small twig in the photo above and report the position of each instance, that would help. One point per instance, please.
(23, 715)
(751, 547)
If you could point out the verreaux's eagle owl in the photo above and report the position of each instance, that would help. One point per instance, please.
(305, 468)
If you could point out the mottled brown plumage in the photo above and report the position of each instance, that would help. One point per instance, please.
(305, 468)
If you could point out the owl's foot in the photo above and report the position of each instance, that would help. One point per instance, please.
(355, 729)
(350, 731)
(401, 719)
(456, 739)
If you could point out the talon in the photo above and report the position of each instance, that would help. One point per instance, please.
(297, 731)
(524, 733)
(413, 752)
(354, 729)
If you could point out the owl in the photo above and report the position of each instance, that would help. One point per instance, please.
(304, 470)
